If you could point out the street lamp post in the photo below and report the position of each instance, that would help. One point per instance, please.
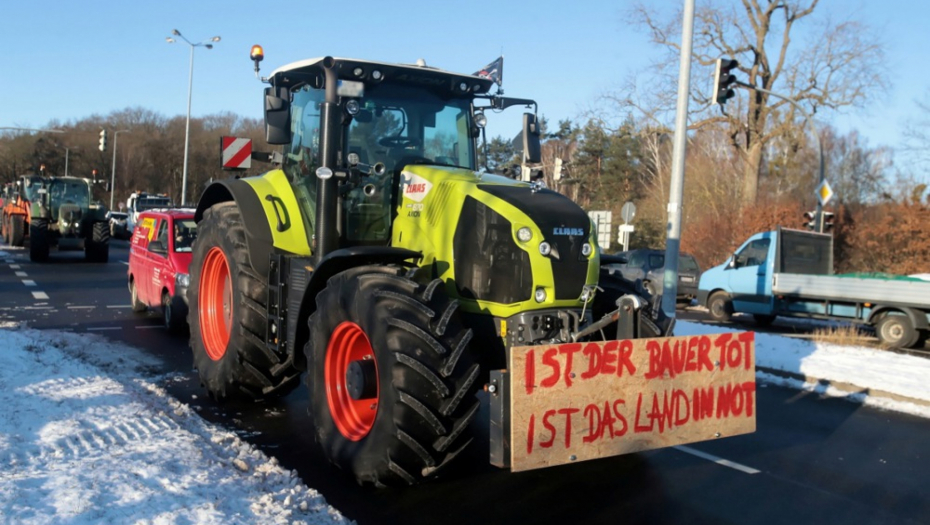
(113, 166)
(190, 84)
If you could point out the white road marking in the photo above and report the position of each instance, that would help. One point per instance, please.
(38, 307)
(81, 307)
(119, 306)
(14, 267)
(40, 295)
(29, 282)
(124, 262)
(20, 274)
(147, 327)
(97, 328)
(715, 459)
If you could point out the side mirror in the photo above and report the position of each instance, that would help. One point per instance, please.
(277, 115)
(531, 147)
(732, 263)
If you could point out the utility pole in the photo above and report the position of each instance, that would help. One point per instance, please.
(676, 190)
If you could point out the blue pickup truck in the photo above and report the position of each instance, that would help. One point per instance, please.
(789, 273)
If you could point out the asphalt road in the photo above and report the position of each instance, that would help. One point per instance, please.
(811, 460)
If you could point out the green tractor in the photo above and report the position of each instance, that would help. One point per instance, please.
(63, 215)
(379, 263)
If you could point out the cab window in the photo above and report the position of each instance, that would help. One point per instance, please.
(754, 253)
(161, 237)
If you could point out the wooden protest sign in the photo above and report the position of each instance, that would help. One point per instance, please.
(580, 401)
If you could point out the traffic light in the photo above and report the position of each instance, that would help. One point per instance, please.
(94, 173)
(810, 218)
(103, 140)
(827, 220)
(723, 79)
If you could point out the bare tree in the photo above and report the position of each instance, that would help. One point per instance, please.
(827, 65)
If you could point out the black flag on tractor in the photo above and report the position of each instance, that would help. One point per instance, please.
(493, 71)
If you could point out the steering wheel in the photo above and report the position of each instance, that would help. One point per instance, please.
(398, 142)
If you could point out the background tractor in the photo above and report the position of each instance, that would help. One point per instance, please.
(377, 260)
(16, 209)
(62, 215)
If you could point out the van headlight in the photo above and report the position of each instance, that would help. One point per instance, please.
(182, 279)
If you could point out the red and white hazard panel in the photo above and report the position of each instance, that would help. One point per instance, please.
(237, 153)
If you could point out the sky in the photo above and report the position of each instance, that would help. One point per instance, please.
(87, 436)
(69, 60)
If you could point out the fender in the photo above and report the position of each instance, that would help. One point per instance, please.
(918, 318)
(270, 214)
(302, 305)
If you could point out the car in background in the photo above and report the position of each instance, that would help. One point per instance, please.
(159, 257)
(644, 267)
(119, 229)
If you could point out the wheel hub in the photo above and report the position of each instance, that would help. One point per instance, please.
(362, 379)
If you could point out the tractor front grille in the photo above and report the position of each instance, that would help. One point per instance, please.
(489, 266)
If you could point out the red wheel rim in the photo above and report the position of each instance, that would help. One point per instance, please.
(215, 303)
(353, 417)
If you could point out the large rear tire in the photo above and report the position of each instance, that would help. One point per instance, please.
(897, 331)
(38, 240)
(17, 230)
(228, 314)
(391, 376)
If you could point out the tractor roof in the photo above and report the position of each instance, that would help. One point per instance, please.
(310, 71)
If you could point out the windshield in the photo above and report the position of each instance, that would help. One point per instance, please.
(31, 188)
(149, 203)
(69, 192)
(399, 125)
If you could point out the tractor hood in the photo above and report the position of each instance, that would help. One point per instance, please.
(506, 245)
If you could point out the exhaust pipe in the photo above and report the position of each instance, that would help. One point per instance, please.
(327, 196)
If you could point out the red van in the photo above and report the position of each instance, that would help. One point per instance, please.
(159, 257)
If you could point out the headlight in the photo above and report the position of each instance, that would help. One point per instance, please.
(540, 295)
(182, 279)
(524, 234)
(544, 248)
(586, 250)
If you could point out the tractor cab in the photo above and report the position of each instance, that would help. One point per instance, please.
(384, 118)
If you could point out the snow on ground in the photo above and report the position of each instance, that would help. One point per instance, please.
(874, 372)
(85, 439)
(86, 436)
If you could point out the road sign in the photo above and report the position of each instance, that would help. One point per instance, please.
(602, 219)
(824, 192)
(627, 212)
(236, 152)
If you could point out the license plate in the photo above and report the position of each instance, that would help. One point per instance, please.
(687, 279)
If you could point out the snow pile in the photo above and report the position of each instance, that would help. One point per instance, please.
(84, 440)
(880, 377)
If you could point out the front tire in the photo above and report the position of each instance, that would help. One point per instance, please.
(17, 230)
(228, 315)
(720, 307)
(173, 313)
(391, 376)
(38, 240)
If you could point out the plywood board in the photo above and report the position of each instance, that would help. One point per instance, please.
(581, 401)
